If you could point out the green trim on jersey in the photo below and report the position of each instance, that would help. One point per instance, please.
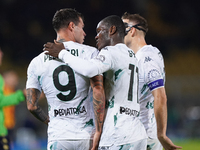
(117, 73)
(89, 123)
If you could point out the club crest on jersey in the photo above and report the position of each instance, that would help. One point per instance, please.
(147, 59)
(101, 58)
(154, 74)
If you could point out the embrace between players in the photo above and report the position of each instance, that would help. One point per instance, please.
(109, 97)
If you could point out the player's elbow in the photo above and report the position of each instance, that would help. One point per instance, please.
(90, 72)
(98, 93)
(160, 96)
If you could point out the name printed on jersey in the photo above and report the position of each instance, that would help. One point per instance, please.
(48, 57)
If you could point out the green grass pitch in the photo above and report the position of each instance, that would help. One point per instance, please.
(190, 144)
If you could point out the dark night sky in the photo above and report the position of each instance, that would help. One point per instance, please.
(26, 25)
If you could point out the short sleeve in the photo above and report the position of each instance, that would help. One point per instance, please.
(153, 72)
(104, 60)
(32, 78)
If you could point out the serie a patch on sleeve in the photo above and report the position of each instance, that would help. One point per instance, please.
(155, 84)
(154, 74)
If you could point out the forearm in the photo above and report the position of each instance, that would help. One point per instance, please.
(99, 111)
(81, 66)
(98, 101)
(40, 114)
(160, 110)
(32, 97)
(161, 118)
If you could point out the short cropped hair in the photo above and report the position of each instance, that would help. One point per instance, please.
(63, 17)
(137, 19)
(116, 21)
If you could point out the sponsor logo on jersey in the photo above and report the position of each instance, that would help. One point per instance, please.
(69, 111)
(147, 59)
(128, 111)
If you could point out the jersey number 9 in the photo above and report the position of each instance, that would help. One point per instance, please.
(70, 86)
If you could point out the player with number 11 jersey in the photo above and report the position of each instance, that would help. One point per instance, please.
(122, 124)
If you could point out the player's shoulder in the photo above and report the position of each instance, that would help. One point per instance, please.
(39, 57)
(148, 52)
(88, 46)
(149, 49)
(113, 48)
(75, 45)
(36, 61)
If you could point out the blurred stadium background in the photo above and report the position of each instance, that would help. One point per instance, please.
(173, 27)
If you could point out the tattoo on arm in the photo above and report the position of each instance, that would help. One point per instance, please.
(97, 81)
(99, 109)
(98, 101)
(32, 96)
(40, 115)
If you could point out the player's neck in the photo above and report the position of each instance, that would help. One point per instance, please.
(137, 44)
(115, 41)
(63, 37)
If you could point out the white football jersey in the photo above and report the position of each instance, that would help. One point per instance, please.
(120, 68)
(122, 124)
(151, 77)
(69, 103)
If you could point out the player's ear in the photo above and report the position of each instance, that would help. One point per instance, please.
(133, 32)
(112, 30)
(71, 26)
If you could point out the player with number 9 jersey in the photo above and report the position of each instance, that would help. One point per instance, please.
(67, 92)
